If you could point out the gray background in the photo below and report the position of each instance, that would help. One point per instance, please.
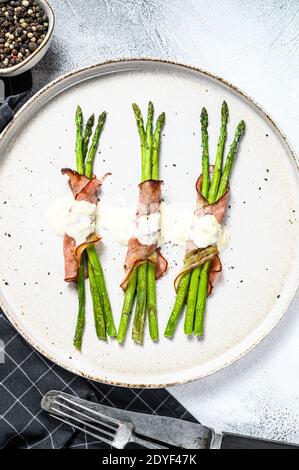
(253, 44)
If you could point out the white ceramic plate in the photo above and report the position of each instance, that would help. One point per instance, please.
(263, 220)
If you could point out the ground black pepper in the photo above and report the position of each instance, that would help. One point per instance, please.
(23, 27)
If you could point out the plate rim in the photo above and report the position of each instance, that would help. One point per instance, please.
(274, 321)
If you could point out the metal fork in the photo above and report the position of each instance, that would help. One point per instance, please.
(106, 429)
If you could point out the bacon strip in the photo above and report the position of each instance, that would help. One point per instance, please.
(195, 256)
(148, 203)
(83, 189)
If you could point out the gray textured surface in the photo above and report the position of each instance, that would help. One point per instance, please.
(254, 44)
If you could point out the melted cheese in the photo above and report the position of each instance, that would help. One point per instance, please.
(74, 218)
(205, 231)
(148, 228)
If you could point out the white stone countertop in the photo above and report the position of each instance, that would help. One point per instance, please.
(253, 44)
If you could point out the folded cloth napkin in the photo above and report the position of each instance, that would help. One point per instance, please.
(16, 91)
(25, 375)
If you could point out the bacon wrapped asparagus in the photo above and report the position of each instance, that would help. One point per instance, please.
(78, 255)
(144, 263)
(202, 264)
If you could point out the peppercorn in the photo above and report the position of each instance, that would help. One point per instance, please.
(32, 46)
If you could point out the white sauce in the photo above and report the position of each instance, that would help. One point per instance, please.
(148, 228)
(74, 218)
(205, 231)
(175, 224)
(79, 219)
(57, 215)
(223, 238)
(117, 221)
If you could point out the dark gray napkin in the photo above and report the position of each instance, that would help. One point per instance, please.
(16, 90)
(25, 375)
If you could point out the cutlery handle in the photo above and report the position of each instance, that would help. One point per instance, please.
(235, 441)
(145, 443)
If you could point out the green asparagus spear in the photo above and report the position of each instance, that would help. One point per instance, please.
(201, 299)
(147, 159)
(94, 262)
(192, 295)
(140, 125)
(100, 282)
(81, 311)
(81, 282)
(140, 309)
(127, 307)
(191, 301)
(94, 145)
(219, 155)
(99, 318)
(156, 146)
(152, 302)
(131, 289)
(205, 153)
(87, 135)
(230, 160)
(79, 141)
(178, 306)
(151, 279)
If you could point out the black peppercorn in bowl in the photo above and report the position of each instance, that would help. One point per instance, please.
(26, 28)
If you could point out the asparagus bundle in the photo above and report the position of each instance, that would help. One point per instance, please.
(85, 155)
(202, 265)
(144, 264)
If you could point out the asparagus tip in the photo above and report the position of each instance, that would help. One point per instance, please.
(137, 112)
(136, 108)
(161, 120)
(90, 121)
(224, 111)
(241, 128)
(150, 108)
(204, 117)
(102, 118)
(79, 111)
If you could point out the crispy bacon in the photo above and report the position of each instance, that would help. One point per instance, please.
(195, 256)
(148, 203)
(83, 189)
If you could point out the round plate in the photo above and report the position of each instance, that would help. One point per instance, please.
(260, 267)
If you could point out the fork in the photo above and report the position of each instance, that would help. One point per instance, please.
(106, 429)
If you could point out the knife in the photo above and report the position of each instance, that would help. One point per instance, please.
(172, 431)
